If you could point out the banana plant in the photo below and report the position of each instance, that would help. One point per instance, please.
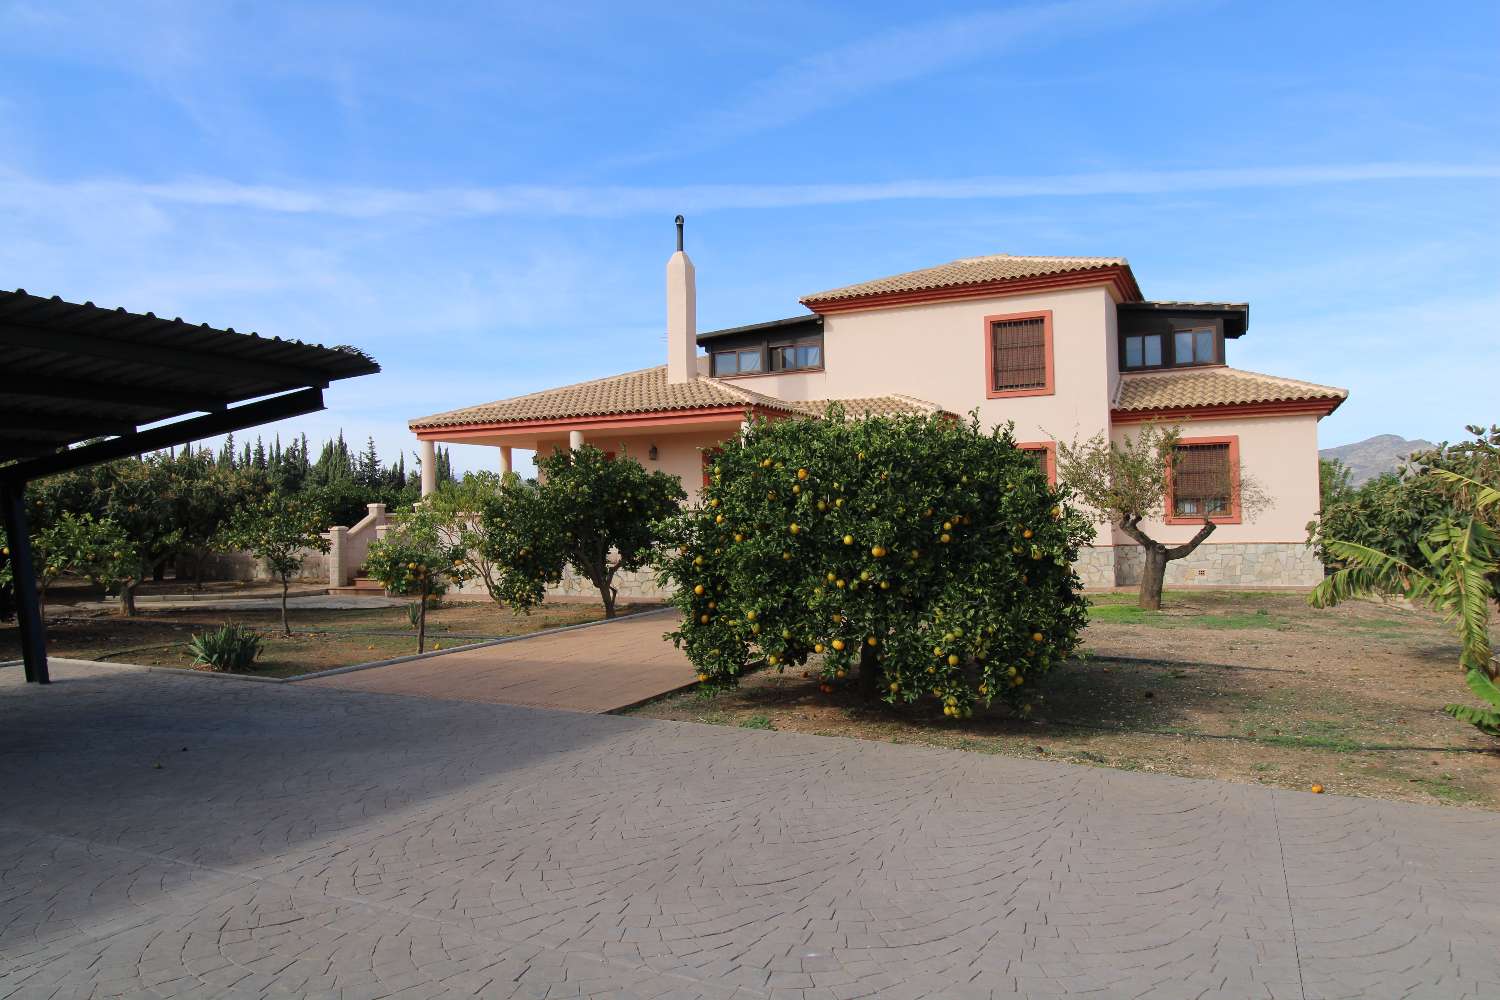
(1462, 561)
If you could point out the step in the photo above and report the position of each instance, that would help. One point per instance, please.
(362, 587)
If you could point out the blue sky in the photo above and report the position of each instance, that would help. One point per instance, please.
(481, 194)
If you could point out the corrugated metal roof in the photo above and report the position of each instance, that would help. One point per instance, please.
(72, 371)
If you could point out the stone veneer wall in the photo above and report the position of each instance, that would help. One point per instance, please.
(1229, 564)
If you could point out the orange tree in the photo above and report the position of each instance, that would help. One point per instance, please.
(930, 555)
(417, 558)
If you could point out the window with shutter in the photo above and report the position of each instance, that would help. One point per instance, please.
(1044, 453)
(1020, 354)
(1203, 481)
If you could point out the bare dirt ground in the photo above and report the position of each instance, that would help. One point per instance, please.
(1250, 687)
(321, 638)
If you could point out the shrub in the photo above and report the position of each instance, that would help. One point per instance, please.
(591, 511)
(932, 555)
(228, 648)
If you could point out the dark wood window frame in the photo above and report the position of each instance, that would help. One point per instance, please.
(1231, 445)
(766, 351)
(801, 342)
(758, 350)
(1168, 335)
(1049, 385)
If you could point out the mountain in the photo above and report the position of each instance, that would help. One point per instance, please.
(1369, 458)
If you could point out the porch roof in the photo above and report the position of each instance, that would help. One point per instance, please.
(641, 394)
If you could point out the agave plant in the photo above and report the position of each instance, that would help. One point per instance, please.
(229, 648)
(1462, 561)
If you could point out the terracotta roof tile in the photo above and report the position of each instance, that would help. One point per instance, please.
(870, 406)
(648, 391)
(1213, 387)
(967, 271)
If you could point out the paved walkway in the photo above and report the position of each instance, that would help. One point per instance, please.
(600, 668)
(172, 835)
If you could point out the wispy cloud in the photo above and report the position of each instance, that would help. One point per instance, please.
(845, 73)
(18, 191)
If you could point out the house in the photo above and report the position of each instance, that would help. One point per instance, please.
(1066, 347)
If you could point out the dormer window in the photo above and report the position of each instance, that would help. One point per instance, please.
(1155, 335)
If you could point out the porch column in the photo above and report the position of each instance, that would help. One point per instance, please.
(23, 582)
(575, 440)
(505, 469)
(429, 468)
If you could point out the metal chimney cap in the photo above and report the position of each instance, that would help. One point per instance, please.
(679, 233)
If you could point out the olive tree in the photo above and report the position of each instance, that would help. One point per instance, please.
(589, 511)
(929, 554)
(1127, 482)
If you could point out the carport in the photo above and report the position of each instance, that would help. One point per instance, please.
(81, 384)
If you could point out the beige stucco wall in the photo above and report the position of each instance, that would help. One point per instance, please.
(936, 352)
(1281, 453)
(678, 454)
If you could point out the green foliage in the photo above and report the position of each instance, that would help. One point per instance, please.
(1333, 482)
(933, 555)
(418, 558)
(279, 531)
(458, 508)
(593, 513)
(98, 549)
(228, 648)
(1453, 571)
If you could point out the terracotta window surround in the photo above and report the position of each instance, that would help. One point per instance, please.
(1049, 464)
(1231, 516)
(1050, 387)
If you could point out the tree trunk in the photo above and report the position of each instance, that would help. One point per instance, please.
(285, 586)
(127, 599)
(1157, 555)
(1153, 573)
(422, 620)
(869, 672)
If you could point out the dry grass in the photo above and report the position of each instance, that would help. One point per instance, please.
(1252, 687)
(320, 640)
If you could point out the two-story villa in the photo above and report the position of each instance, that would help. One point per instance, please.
(1066, 347)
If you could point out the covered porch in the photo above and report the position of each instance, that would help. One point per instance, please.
(670, 442)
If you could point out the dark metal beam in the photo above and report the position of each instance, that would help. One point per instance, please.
(161, 355)
(19, 422)
(23, 579)
(291, 404)
(163, 401)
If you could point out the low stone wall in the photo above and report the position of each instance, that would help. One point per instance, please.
(1229, 564)
(1096, 566)
(245, 568)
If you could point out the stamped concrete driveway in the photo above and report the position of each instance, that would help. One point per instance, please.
(600, 667)
(170, 835)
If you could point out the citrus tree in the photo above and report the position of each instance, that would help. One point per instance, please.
(416, 558)
(280, 531)
(101, 550)
(589, 511)
(926, 553)
(1455, 568)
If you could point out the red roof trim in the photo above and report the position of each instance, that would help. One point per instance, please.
(597, 422)
(1116, 276)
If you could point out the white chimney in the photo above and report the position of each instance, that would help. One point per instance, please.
(682, 315)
